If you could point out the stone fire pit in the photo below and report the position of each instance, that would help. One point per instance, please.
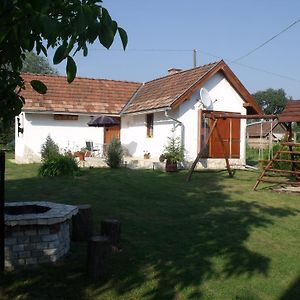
(36, 232)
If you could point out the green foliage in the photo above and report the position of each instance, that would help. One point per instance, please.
(38, 86)
(59, 165)
(49, 149)
(296, 130)
(173, 150)
(66, 26)
(114, 154)
(37, 64)
(272, 101)
(285, 165)
(7, 134)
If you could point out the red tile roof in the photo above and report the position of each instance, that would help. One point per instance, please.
(172, 90)
(83, 95)
(291, 112)
(164, 91)
(100, 96)
(263, 129)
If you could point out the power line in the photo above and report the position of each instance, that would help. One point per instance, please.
(145, 50)
(229, 61)
(267, 41)
(264, 71)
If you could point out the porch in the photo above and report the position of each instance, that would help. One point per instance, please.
(128, 162)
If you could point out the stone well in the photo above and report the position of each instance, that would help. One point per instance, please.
(36, 232)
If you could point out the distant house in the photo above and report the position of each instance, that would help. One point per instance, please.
(262, 134)
(149, 113)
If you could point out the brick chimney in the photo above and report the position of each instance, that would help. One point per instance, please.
(173, 71)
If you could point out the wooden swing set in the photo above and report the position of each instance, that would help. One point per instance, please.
(290, 114)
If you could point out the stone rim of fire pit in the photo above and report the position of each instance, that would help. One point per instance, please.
(57, 213)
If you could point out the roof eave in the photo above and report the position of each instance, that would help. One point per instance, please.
(148, 111)
(252, 106)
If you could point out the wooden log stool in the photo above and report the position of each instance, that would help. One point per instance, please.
(112, 229)
(82, 224)
(97, 256)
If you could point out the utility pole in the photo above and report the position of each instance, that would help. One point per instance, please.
(2, 172)
(195, 57)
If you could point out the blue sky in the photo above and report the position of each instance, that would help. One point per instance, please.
(225, 29)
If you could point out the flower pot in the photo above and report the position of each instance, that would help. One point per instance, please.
(171, 167)
(80, 155)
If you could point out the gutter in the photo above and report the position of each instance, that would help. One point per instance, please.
(180, 124)
(143, 112)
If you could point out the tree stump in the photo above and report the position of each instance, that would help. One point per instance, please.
(97, 256)
(82, 224)
(112, 229)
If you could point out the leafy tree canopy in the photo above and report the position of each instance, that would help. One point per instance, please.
(34, 64)
(37, 64)
(272, 101)
(66, 26)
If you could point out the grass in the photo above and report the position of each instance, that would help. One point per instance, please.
(212, 238)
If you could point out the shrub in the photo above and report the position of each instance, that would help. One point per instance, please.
(49, 149)
(281, 165)
(114, 154)
(59, 165)
(174, 151)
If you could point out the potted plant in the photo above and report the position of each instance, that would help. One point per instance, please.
(146, 154)
(173, 153)
(81, 153)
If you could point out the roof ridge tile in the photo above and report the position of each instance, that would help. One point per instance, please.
(78, 77)
(183, 71)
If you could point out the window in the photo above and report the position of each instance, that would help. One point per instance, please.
(65, 117)
(149, 123)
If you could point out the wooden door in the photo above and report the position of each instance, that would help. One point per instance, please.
(110, 132)
(216, 150)
(229, 130)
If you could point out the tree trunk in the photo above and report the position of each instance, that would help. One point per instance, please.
(112, 229)
(97, 256)
(82, 224)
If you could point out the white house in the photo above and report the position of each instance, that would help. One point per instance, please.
(149, 113)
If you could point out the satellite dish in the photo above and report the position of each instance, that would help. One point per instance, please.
(205, 98)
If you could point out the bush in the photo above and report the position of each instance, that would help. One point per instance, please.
(49, 149)
(59, 165)
(285, 165)
(174, 151)
(114, 154)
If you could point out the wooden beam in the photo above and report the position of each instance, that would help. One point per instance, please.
(215, 115)
(225, 153)
(201, 151)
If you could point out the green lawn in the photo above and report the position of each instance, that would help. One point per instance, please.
(212, 238)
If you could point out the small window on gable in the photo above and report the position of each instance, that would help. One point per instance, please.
(149, 121)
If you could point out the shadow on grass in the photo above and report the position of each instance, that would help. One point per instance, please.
(293, 292)
(175, 235)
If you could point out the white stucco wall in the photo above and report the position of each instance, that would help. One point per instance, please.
(133, 132)
(68, 134)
